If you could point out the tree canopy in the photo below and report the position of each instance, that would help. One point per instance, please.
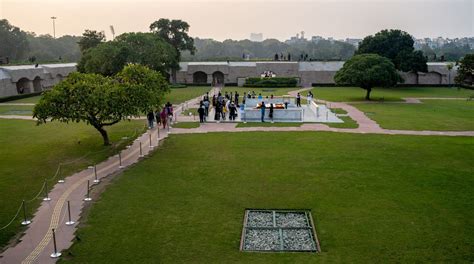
(397, 46)
(13, 41)
(110, 57)
(465, 70)
(90, 39)
(368, 71)
(102, 101)
(175, 32)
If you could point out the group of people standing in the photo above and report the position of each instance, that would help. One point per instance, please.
(309, 99)
(164, 117)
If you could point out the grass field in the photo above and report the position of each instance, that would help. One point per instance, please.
(374, 198)
(179, 95)
(26, 110)
(449, 115)
(348, 123)
(186, 124)
(29, 154)
(351, 94)
(263, 91)
(176, 96)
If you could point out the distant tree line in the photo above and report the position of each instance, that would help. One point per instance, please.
(18, 46)
(448, 52)
(211, 50)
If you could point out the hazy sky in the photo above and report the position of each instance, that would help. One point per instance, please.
(236, 19)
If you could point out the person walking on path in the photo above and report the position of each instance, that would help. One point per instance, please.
(298, 100)
(201, 112)
(309, 98)
(206, 108)
(262, 110)
(164, 117)
(151, 119)
(270, 112)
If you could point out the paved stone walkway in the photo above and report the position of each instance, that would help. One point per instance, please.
(36, 243)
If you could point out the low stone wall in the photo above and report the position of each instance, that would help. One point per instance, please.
(279, 115)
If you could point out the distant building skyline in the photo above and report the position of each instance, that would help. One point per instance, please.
(232, 19)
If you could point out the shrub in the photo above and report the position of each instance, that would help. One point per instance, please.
(271, 82)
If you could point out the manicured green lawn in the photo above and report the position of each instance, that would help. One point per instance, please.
(348, 123)
(269, 124)
(26, 110)
(179, 95)
(455, 115)
(350, 94)
(29, 154)
(176, 96)
(186, 125)
(192, 111)
(263, 91)
(374, 198)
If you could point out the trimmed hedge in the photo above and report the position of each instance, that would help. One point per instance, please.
(271, 82)
(20, 96)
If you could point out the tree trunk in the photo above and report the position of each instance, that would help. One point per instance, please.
(104, 134)
(367, 96)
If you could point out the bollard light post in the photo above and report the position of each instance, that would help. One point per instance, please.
(96, 180)
(120, 160)
(88, 198)
(158, 133)
(55, 254)
(141, 152)
(70, 222)
(59, 173)
(25, 220)
(149, 136)
(46, 195)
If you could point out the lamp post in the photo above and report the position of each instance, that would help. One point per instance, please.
(54, 26)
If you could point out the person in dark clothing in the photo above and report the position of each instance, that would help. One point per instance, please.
(270, 112)
(262, 110)
(286, 105)
(201, 112)
(236, 99)
(151, 118)
(232, 111)
(298, 100)
(217, 115)
(214, 100)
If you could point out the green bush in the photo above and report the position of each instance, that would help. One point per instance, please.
(174, 86)
(271, 82)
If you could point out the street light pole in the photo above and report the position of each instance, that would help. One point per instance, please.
(54, 26)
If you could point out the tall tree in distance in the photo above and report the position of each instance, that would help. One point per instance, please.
(466, 70)
(397, 46)
(147, 49)
(13, 41)
(90, 39)
(175, 32)
(368, 71)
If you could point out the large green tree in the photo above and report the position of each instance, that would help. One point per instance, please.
(368, 71)
(465, 70)
(90, 39)
(102, 101)
(396, 45)
(110, 57)
(175, 32)
(13, 41)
